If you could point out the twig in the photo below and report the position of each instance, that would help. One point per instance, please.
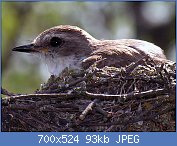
(103, 112)
(128, 96)
(134, 120)
(131, 67)
(61, 96)
(65, 96)
(88, 109)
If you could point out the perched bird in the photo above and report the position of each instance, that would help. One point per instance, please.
(69, 46)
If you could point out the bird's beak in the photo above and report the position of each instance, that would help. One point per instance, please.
(30, 48)
(26, 48)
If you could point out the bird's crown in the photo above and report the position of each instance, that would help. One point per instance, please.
(66, 32)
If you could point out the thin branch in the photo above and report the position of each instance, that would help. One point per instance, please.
(88, 109)
(128, 96)
(65, 96)
(60, 96)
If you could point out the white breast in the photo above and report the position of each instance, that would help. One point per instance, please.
(56, 64)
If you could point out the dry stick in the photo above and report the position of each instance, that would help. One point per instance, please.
(131, 67)
(66, 96)
(61, 96)
(88, 109)
(82, 79)
(122, 88)
(133, 83)
(103, 112)
(128, 96)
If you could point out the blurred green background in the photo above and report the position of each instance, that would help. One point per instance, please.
(23, 21)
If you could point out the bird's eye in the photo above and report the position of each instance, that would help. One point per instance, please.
(56, 42)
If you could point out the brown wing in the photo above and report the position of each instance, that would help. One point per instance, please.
(116, 55)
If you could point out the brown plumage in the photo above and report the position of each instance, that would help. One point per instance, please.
(70, 46)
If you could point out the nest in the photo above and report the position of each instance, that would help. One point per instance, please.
(132, 98)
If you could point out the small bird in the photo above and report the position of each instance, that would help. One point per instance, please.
(69, 46)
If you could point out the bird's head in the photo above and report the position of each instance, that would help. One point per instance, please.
(60, 47)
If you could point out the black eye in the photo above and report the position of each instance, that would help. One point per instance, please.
(56, 42)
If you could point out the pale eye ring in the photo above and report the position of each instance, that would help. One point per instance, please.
(56, 42)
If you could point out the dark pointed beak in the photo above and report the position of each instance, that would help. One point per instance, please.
(26, 48)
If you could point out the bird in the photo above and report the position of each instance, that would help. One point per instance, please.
(66, 46)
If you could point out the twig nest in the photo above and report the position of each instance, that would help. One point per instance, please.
(133, 98)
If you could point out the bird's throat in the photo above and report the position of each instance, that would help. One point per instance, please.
(56, 64)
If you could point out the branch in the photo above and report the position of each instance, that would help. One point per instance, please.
(128, 96)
